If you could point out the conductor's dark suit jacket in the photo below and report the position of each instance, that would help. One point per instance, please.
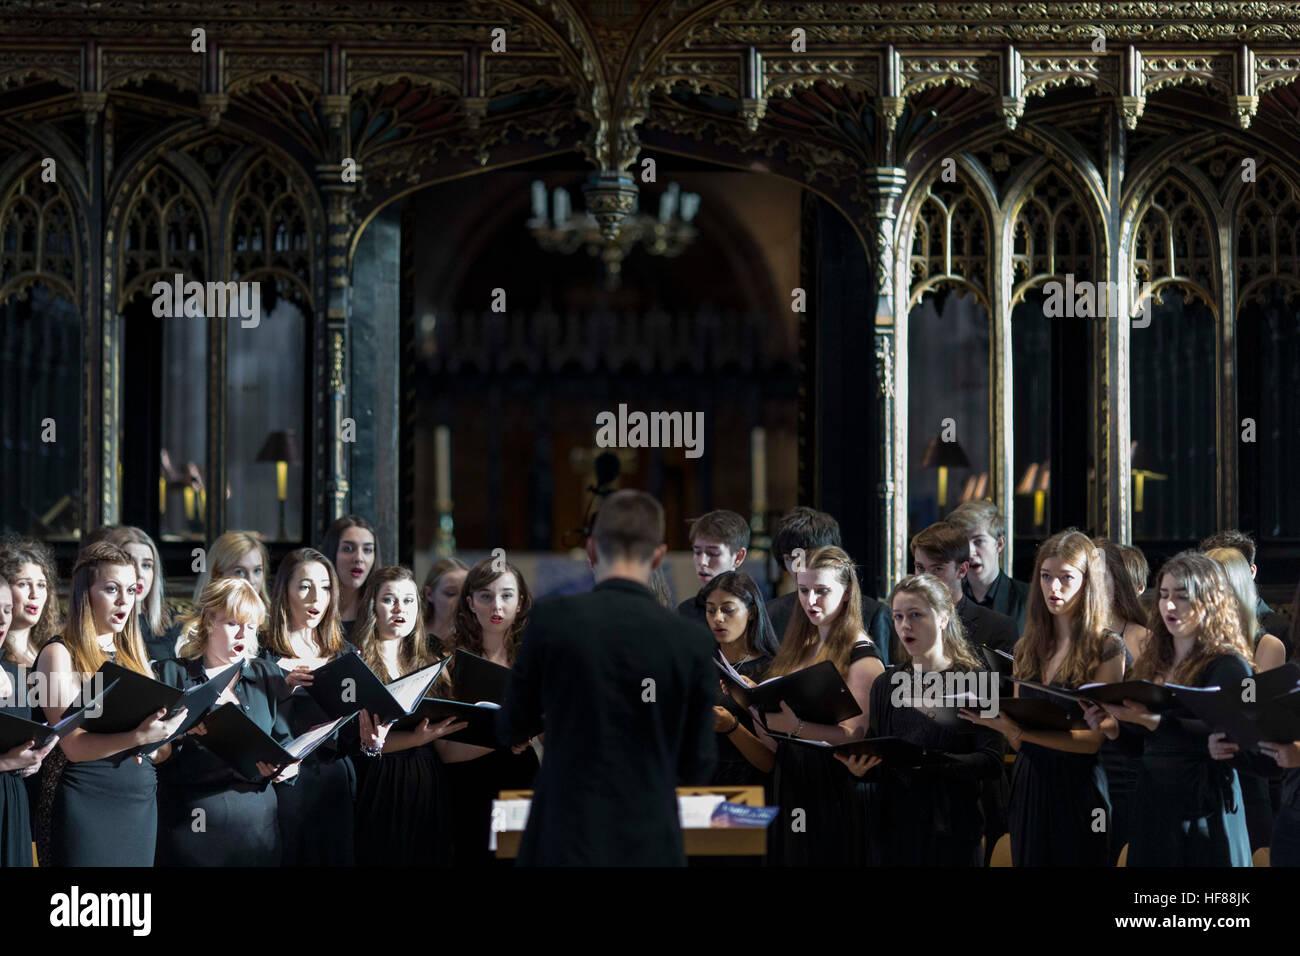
(616, 745)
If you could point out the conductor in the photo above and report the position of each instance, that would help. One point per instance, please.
(625, 690)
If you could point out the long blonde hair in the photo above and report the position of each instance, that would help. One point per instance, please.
(1218, 629)
(414, 652)
(939, 599)
(236, 598)
(801, 634)
(1088, 622)
(81, 637)
(223, 556)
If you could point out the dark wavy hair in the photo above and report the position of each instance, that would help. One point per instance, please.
(1218, 630)
(760, 638)
(468, 633)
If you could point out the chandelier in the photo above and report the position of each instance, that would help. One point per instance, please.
(562, 230)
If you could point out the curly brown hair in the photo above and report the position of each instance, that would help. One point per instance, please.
(16, 552)
(1218, 624)
(467, 632)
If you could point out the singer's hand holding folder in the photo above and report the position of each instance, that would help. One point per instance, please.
(1246, 722)
(815, 694)
(479, 686)
(346, 686)
(237, 739)
(16, 730)
(892, 750)
(1031, 713)
(1154, 697)
(136, 697)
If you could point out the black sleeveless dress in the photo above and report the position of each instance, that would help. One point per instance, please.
(733, 769)
(98, 812)
(1060, 808)
(832, 830)
(1119, 761)
(208, 814)
(403, 810)
(316, 809)
(15, 813)
(929, 816)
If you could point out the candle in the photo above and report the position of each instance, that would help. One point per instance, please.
(561, 201)
(758, 468)
(690, 206)
(539, 199)
(668, 204)
(442, 466)
(282, 480)
(162, 495)
(189, 503)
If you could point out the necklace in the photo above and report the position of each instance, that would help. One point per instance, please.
(743, 660)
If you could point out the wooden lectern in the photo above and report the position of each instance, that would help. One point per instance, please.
(704, 841)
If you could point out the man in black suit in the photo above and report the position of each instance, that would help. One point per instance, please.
(624, 690)
(810, 529)
(719, 542)
(985, 583)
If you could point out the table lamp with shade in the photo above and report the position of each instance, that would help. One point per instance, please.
(1140, 465)
(1037, 481)
(284, 449)
(944, 455)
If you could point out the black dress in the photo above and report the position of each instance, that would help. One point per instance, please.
(929, 816)
(98, 812)
(316, 809)
(1119, 761)
(1260, 783)
(15, 814)
(832, 830)
(734, 769)
(238, 820)
(1055, 799)
(1188, 809)
(403, 810)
